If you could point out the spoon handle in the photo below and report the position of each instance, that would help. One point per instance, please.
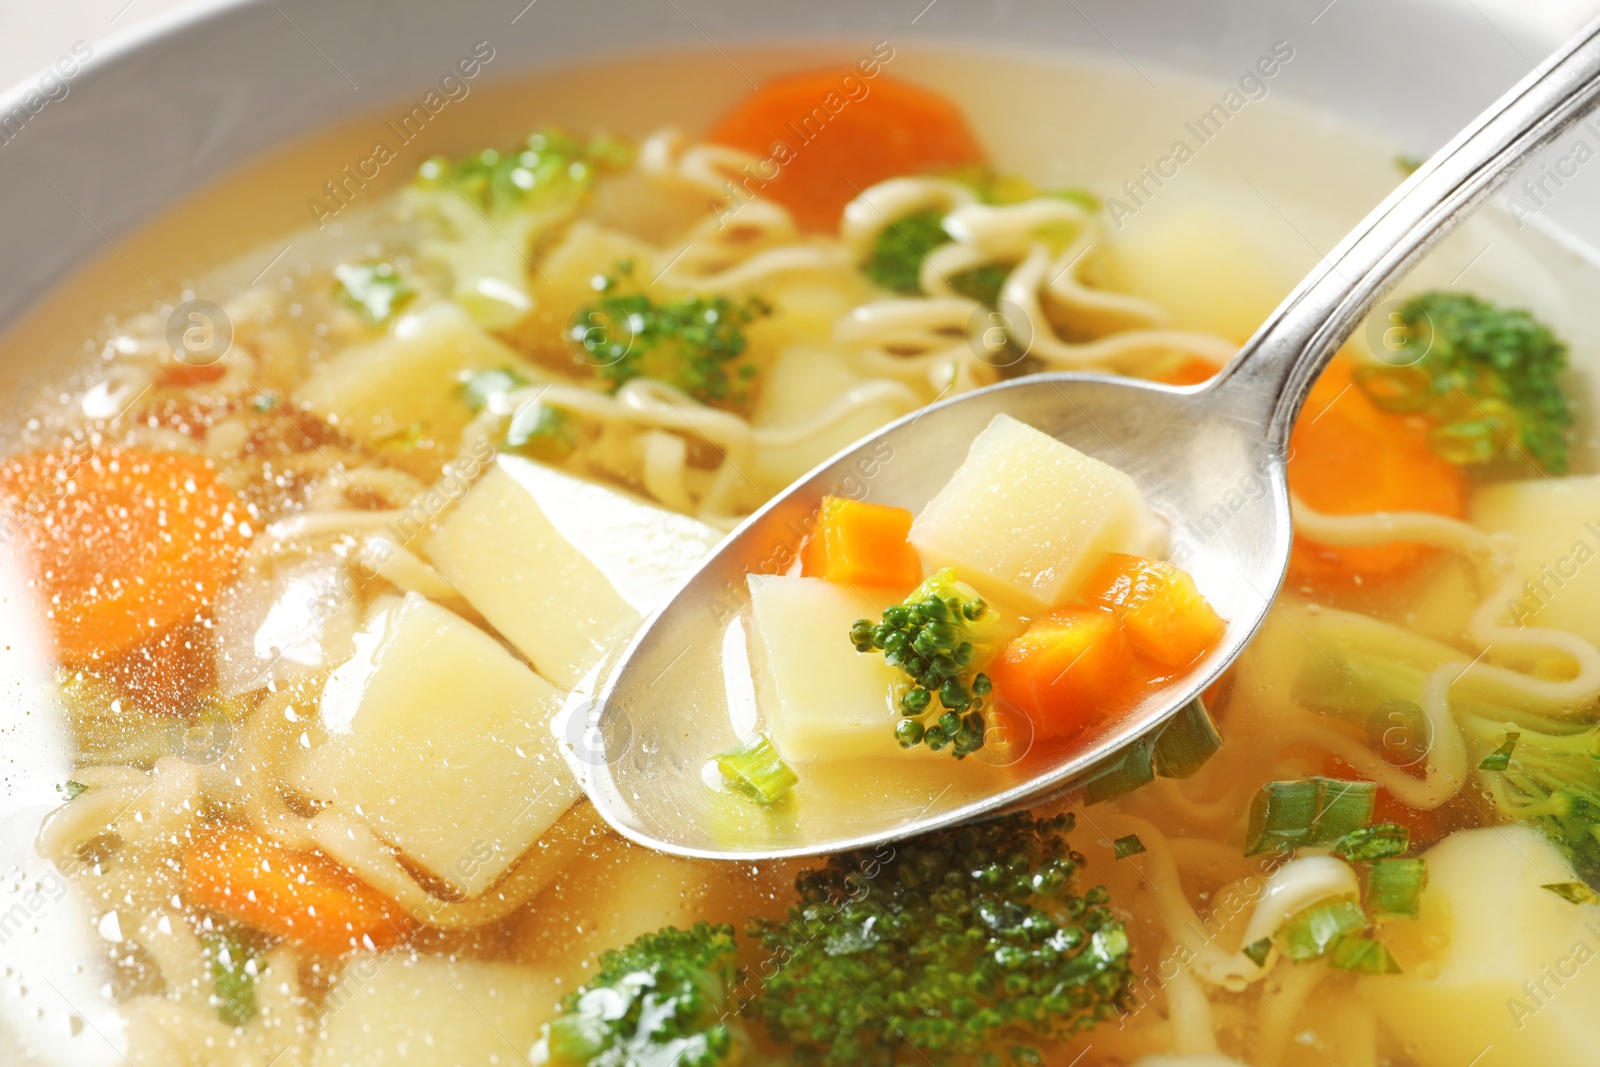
(1266, 384)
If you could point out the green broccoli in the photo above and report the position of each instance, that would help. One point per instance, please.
(963, 946)
(691, 343)
(1532, 768)
(484, 213)
(1550, 779)
(897, 255)
(1489, 377)
(664, 999)
(941, 637)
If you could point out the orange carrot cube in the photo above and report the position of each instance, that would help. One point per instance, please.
(1066, 670)
(861, 544)
(1162, 612)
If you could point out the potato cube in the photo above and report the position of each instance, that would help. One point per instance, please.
(820, 697)
(1554, 522)
(400, 392)
(565, 568)
(441, 739)
(1025, 517)
(426, 1011)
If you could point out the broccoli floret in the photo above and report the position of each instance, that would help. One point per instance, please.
(691, 343)
(941, 637)
(1490, 378)
(961, 947)
(1535, 769)
(664, 999)
(1545, 773)
(484, 213)
(897, 256)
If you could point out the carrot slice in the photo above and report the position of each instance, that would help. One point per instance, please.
(1065, 670)
(1162, 612)
(303, 896)
(861, 544)
(122, 545)
(829, 134)
(1192, 371)
(1348, 457)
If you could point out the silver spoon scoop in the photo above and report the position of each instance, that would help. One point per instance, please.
(1209, 458)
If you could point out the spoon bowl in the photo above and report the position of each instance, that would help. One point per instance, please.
(1209, 459)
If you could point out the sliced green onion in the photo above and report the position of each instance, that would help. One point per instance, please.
(1257, 951)
(1346, 807)
(1312, 932)
(376, 291)
(754, 768)
(233, 979)
(1189, 739)
(1573, 892)
(982, 284)
(1466, 442)
(1127, 846)
(1378, 842)
(1363, 955)
(74, 790)
(480, 388)
(1394, 887)
(1121, 772)
(1500, 758)
(1311, 811)
(542, 432)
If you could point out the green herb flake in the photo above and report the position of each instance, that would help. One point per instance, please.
(1394, 887)
(72, 789)
(1127, 846)
(1500, 758)
(1408, 164)
(480, 389)
(1378, 842)
(374, 290)
(1573, 892)
(542, 432)
(263, 403)
(1258, 951)
(1363, 955)
(233, 979)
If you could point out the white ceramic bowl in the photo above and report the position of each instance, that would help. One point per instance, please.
(107, 140)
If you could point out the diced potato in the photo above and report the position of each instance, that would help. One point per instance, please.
(1025, 517)
(426, 1011)
(400, 393)
(1558, 538)
(441, 739)
(564, 568)
(820, 697)
(801, 383)
(1498, 971)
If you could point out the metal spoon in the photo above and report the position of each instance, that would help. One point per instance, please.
(1209, 458)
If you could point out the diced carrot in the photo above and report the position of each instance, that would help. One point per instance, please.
(303, 896)
(1162, 612)
(861, 544)
(829, 134)
(1066, 669)
(123, 545)
(1348, 457)
(1192, 371)
(169, 672)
